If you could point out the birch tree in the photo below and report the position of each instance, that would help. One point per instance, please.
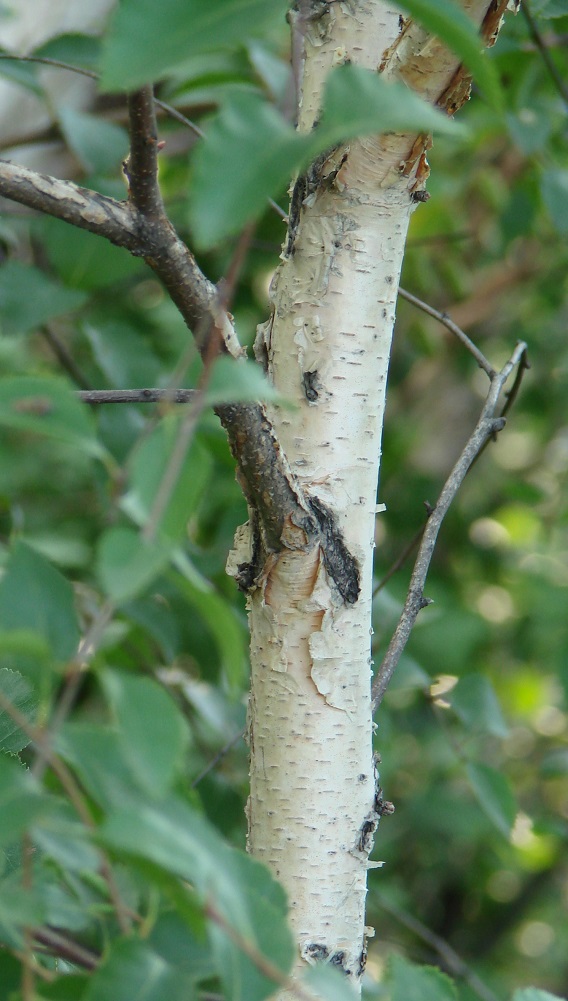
(371, 84)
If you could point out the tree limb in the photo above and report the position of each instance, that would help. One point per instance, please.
(487, 426)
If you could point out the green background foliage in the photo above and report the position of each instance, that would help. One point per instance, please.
(111, 833)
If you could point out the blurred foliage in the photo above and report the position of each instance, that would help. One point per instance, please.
(474, 731)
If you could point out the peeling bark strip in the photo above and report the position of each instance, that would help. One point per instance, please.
(314, 805)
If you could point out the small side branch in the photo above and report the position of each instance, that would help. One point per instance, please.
(487, 427)
(449, 324)
(97, 397)
(141, 166)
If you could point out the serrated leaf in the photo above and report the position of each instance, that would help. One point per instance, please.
(145, 39)
(19, 692)
(47, 407)
(494, 795)
(36, 597)
(474, 700)
(452, 25)
(127, 563)
(153, 733)
(29, 298)
(133, 970)
(410, 982)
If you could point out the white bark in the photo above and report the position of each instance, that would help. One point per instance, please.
(312, 808)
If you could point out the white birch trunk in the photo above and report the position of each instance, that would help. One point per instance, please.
(312, 807)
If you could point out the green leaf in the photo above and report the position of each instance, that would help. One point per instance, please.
(250, 151)
(47, 407)
(127, 563)
(29, 298)
(452, 25)
(36, 597)
(554, 192)
(153, 733)
(96, 753)
(72, 48)
(178, 840)
(18, 690)
(134, 970)
(494, 795)
(21, 802)
(145, 40)
(534, 994)
(148, 467)
(61, 837)
(474, 700)
(99, 145)
(358, 102)
(239, 382)
(410, 982)
(19, 72)
(328, 983)
(218, 615)
(174, 941)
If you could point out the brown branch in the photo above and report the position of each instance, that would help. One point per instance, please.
(64, 357)
(543, 49)
(56, 944)
(487, 427)
(453, 328)
(141, 166)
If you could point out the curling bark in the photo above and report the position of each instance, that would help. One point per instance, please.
(314, 799)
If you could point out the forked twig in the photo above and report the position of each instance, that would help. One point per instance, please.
(486, 428)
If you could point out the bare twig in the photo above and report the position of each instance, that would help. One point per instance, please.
(453, 961)
(60, 64)
(220, 754)
(487, 427)
(401, 559)
(56, 944)
(63, 356)
(543, 49)
(96, 397)
(452, 327)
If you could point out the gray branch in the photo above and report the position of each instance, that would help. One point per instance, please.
(487, 427)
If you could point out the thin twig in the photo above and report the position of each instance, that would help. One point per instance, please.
(401, 559)
(220, 754)
(453, 328)
(453, 961)
(543, 49)
(57, 944)
(97, 397)
(64, 357)
(60, 64)
(487, 426)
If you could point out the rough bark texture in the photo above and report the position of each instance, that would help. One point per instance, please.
(314, 803)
